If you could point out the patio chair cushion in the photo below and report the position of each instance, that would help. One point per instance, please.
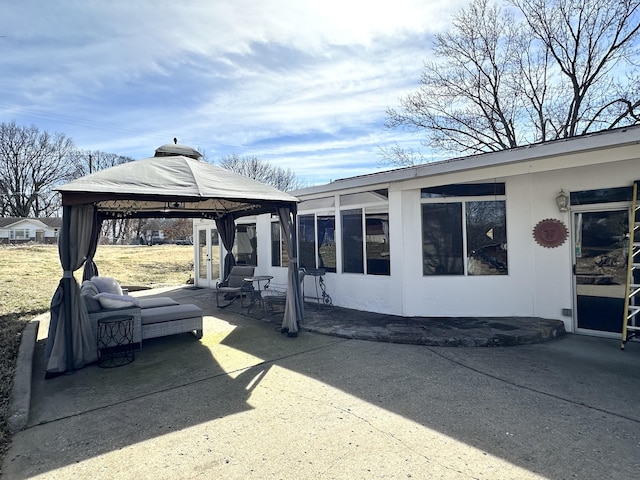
(237, 275)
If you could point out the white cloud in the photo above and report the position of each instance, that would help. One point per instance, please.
(225, 76)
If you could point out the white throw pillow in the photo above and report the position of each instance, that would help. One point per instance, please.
(107, 284)
(112, 300)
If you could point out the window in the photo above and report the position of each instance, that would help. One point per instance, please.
(365, 232)
(486, 238)
(482, 236)
(377, 243)
(316, 240)
(326, 228)
(374, 196)
(463, 190)
(373, 246)
(603, 195)
(465, 237)
(442, 239)
(317, 204)
(306, 241)
(19, 234)
(245, 247)
(352, 246)
(279, 255)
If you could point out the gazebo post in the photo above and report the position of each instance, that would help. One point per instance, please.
(65, 257)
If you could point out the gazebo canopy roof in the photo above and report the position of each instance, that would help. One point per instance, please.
(173, 186)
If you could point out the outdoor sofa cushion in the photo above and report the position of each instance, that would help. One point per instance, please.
(152, 317)
(113, 300)
(169, 313)
(155, 302)
(95, 300)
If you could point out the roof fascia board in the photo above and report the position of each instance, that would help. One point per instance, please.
(501, 172)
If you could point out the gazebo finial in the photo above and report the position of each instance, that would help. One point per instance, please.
(175, 140)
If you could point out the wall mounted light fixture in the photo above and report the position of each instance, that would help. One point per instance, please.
(562, 200)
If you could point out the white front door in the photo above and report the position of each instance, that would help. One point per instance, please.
(207, 264)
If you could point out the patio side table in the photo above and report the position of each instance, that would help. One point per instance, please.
(115, 341)
(256, 294)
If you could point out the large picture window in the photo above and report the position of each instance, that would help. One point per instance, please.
(475, 246)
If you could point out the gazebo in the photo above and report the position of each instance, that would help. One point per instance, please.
(174, 183)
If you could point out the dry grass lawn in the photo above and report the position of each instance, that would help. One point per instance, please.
(29, 276)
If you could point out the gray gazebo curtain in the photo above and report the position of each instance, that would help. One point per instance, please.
(90, 267)
(227, 230)
(294, 308)
(69, 343)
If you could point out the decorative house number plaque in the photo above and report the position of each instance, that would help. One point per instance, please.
(550, 233)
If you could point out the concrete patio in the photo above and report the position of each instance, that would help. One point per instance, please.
(248, 402)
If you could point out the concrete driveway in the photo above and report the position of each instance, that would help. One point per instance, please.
(246, 402)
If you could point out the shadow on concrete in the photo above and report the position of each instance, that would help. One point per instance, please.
(565, 408)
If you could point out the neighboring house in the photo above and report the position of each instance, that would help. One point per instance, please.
(536, 231)
(21, 230)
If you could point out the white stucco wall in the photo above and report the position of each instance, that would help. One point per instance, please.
(540, 280)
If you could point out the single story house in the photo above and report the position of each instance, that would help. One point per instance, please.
(21, 230)
(536, 231)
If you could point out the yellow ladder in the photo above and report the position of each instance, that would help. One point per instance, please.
(631, 320)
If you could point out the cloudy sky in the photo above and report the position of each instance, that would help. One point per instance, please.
(303, 84)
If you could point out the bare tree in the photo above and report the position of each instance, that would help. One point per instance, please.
(565, 69)
(85, 162)
(589, 42)
(90, 161)
(252, 167)
(32, 162)
(178, 229)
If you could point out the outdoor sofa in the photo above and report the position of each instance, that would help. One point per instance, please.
(152, 317)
